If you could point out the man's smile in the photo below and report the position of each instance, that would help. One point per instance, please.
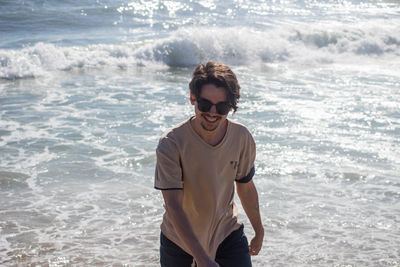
(210, 119)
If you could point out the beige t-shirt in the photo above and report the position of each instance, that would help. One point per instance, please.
(206, 174)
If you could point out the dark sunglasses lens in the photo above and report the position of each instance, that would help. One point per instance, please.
(223, 108)
(204, 105)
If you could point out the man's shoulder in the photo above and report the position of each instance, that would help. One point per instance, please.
(239, 128)
(176, 132)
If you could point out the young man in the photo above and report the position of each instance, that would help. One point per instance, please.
(198, 163)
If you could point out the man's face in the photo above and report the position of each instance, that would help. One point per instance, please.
(210, 120)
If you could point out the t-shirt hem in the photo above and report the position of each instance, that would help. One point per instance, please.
(247, 178)
(171, 188)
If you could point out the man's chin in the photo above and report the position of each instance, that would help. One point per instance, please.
(209, 128)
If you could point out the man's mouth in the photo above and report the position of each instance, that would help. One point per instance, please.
(210, 119)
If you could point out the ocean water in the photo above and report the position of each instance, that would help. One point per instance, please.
(87, 88)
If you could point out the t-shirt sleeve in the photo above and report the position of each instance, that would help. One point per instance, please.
(168, 174)
(245, 170)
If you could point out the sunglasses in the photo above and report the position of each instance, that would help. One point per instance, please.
(205, 105)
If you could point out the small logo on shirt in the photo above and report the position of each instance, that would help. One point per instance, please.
(234, 164)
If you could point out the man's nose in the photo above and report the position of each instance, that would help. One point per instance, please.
(213, 109)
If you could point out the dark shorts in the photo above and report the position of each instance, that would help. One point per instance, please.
(232, 252)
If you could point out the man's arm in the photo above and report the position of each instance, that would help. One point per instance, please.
(247, 193)
(173, 204)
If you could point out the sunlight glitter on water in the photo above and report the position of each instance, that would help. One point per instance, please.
(83, 101)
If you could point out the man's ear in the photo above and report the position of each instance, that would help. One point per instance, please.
(192, 98)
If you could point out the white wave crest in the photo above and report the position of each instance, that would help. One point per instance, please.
(189, 46)
(237, 46)
(43, 58)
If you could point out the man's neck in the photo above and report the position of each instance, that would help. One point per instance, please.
(212, 138)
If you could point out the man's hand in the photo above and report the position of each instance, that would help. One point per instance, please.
(256, 244)
(247, 193)
(173, 203)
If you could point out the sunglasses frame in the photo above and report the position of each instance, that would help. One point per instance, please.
(204, 105)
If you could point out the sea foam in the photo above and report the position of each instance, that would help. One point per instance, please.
(187, 47)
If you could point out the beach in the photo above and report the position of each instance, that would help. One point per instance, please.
(88, 87)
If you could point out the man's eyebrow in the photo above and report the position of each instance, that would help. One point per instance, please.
(226, 101)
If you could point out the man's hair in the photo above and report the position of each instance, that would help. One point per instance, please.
(219, 75)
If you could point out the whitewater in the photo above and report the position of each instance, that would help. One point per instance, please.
(87, 88)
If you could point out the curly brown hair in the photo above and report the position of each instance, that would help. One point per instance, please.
(218, 74)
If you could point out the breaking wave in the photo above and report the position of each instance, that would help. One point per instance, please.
(187, 47)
